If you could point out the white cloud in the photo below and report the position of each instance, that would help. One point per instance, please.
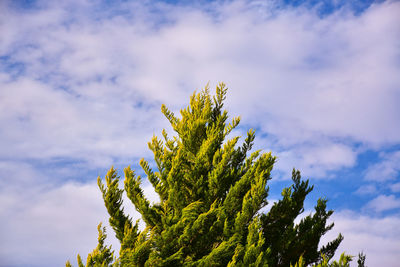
(51, 227)
(387, 169)
(43, 123)
(366, 190)
(383, 203)
(315, 160)
(378, 238)
(342, 80)
(296, 76)
(395, 188)
(62, 220)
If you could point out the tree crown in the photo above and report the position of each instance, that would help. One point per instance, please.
(211, 192)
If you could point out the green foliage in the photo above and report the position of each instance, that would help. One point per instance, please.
(361, 259)
(285, 239)
(101, 256)
(211, 198)
(344, 261)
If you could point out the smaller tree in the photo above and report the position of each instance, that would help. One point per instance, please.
(286, 239)
(211, 192)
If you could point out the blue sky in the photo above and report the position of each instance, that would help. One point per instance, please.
(82, 82)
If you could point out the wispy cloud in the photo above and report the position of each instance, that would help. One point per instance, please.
(377, 237)
(47, 226)
(383, 203)
(50, 226)
(395, 188)
(366, 190)
(388, 169)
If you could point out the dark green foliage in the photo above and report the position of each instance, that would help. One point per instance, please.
(361, 259)
(285, 239)
(211, 195)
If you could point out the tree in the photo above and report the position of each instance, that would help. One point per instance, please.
(212, 192)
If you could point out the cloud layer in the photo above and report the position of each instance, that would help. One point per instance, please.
(295, 75)
(378, 238)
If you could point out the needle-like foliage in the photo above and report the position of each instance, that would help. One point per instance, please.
(212, 191)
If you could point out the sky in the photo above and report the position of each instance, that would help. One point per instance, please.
(82, 83)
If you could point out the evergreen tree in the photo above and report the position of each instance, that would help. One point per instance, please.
(211, 192)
